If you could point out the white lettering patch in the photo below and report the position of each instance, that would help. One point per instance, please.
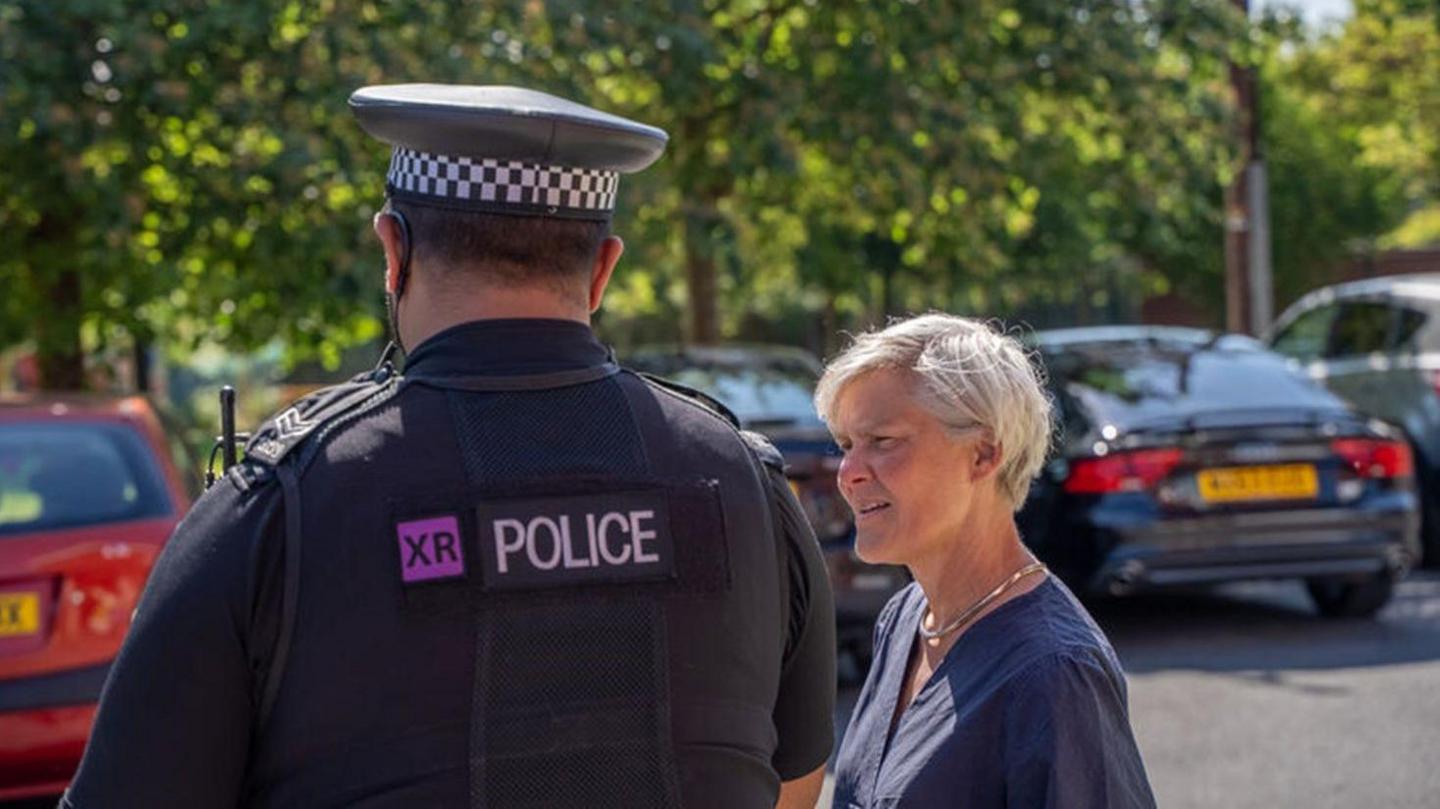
(556, 541)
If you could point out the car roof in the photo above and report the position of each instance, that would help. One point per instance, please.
(1424, 285)
(1104, 334)
(1145, 377)
(729, 354)
(74, 405)
(1061, 339)
(1420, 286)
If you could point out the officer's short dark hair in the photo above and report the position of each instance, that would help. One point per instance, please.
(503, 248)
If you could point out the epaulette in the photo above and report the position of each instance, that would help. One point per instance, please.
(764, 450)
(758, 444)
(318, 413)
(704, 400)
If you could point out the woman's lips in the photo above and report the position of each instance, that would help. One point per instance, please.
(871, 510)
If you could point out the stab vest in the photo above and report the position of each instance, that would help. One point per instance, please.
(519, 591)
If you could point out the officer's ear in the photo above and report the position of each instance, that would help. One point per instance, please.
(392, 242)
(605, 260)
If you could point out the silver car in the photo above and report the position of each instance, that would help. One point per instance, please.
(1376, 343)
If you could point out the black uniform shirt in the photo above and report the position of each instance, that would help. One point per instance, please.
(392, 691)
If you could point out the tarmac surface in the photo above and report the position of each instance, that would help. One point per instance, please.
(1243, 697)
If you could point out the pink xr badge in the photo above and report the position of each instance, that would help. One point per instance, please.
(430, 549)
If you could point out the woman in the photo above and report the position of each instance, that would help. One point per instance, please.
(991, 686)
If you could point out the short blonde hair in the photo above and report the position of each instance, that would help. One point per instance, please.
(971, 375)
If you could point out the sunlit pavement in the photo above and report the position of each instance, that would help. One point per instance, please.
(1243, 697)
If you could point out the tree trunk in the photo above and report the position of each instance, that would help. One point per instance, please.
(883, 256)
(142, 365)
(57, 332)
(888, 308)
(829, 327)
(1238, 216)
(700, 223)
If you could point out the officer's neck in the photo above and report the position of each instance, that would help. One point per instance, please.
(430, 309)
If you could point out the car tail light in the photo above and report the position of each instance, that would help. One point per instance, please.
(1371, 458)
(1133, 471)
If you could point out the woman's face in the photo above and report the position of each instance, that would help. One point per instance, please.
(906, 479)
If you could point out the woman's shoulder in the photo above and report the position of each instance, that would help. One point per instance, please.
(1051, 614)
(1067, 729)
(1068, 669)
(1049, 627)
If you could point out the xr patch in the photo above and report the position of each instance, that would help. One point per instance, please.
(430, 549)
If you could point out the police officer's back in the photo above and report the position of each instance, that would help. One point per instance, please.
(516, 575)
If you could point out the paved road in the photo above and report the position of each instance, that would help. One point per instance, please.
(1243, 698)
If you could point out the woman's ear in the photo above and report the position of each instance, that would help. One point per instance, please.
(988, 456)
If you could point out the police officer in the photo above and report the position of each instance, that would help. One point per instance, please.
(517, 575)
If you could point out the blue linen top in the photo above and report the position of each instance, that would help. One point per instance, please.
(1027, 709)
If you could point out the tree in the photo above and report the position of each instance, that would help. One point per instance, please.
(949, 148)
(1351, 120)
(191, 173)
(1325, 196)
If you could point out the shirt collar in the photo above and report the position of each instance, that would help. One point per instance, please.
(508, 346)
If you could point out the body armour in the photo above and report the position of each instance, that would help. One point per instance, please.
(519, 577)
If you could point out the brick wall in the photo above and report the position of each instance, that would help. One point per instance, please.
(1394, 262)
(1172, 310)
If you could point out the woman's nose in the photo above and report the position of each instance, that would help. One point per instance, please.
(853, 470)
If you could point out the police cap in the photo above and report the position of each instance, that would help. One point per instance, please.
(503, 149)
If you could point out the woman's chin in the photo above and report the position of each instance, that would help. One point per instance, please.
(876, 548)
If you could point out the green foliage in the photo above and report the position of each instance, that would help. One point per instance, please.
(1379, 79)
(1420, 228)
(193, 165)
(1351, 121)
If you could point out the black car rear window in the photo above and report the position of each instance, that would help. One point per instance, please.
(73, 474)
(1136, 383)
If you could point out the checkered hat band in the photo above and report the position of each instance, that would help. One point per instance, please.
(502, 183)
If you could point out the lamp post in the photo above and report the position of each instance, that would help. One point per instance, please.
(1249, 285)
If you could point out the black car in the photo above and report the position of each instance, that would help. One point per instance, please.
(1188, 457)
(771, 389)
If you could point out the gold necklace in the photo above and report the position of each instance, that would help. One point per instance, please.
(935, 634)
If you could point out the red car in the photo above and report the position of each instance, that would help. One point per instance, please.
(89, 492)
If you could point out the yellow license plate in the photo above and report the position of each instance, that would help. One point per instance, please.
(19, 614)
(1241, 483)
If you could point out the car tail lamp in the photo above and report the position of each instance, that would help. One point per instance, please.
(1371, 458)
(1132, 471)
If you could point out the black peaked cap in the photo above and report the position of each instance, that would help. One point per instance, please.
(505, 123)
